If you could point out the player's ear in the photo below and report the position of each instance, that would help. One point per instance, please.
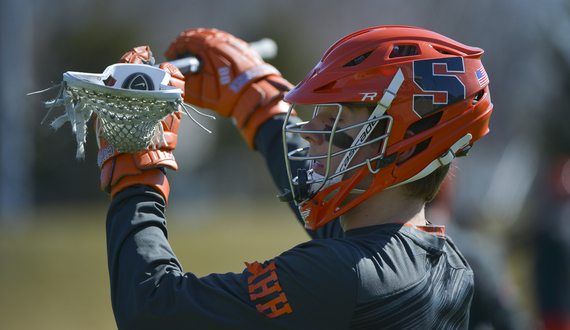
(407, 153)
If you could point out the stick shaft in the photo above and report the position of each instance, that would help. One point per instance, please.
(266, 48)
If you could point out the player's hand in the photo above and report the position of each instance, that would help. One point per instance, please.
(224, 58)
(138, 55)
(120, 170)
(233, 80)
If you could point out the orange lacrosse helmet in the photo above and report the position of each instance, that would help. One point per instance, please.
(405, 75)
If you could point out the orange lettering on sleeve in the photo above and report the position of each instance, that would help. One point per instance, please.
(272, 305)
(264, 288)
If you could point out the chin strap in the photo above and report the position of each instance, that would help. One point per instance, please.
(445, 159)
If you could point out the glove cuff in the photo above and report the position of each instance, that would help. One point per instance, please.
(154, 178)
(260, 102)
(125, 170)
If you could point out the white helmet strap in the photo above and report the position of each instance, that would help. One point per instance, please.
(382, 106)
(445, 159)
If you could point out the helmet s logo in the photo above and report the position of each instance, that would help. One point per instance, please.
(368, 96)
(138, 81)
(439, 79)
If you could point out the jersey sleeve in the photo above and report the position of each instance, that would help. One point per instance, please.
(306, 287)
(269, 142)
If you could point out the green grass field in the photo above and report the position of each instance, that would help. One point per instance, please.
(53, 271)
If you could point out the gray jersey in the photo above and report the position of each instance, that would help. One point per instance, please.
(381, 277)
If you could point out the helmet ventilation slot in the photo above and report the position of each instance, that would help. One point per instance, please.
(444, 52)
(403, 51)
(478, 97)
(326, 87)
(420, 126)
(358, 59)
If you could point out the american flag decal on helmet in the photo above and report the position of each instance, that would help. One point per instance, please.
(482, 76)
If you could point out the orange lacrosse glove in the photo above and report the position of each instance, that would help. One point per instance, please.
(233, 80)
(120, 170)
(139, 55)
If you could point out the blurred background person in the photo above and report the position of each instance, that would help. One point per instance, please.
(552, 246)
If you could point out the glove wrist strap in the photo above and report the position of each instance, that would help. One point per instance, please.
(154, 178)
(260, 102)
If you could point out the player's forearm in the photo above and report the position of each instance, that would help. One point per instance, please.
(269, 142)
(149, 289)
(139, 254)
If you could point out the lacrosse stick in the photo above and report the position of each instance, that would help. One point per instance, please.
(266, 48)
(130, 111)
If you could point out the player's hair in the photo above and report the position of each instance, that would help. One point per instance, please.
(428, 187)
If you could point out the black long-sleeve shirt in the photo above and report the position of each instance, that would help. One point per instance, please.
(381, 277)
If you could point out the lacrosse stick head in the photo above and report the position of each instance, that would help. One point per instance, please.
(130, 110)
(130, 100)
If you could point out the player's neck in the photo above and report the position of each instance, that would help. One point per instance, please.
(388, 206)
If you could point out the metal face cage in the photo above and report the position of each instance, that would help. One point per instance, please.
(305, 184)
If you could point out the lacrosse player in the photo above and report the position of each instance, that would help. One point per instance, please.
(392, 107)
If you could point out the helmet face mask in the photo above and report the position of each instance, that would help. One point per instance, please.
(329, 165)
(429, 92)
